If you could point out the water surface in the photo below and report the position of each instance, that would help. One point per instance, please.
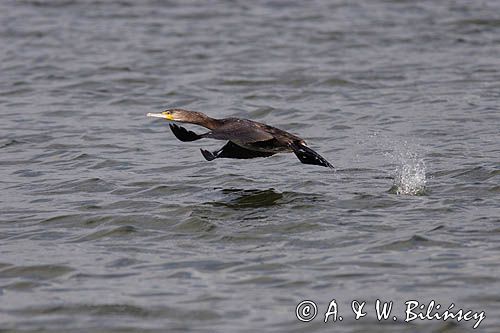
(110, 224)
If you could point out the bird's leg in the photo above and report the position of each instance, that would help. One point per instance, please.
(308, 156)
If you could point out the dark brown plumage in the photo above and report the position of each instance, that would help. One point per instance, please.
(246, 138)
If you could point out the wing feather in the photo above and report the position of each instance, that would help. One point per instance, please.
(240, 130)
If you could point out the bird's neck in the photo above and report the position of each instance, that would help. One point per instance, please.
(205, 121)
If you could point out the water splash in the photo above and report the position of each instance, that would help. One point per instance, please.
(409, 175)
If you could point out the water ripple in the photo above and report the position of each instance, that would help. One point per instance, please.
(111, 224)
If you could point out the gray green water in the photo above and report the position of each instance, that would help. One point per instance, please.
(110, 224)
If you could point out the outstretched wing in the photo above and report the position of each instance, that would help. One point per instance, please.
(232, 150)
(241, 130)
(183, 134)
(308, 156)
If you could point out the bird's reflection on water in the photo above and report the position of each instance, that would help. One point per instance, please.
(257, 198)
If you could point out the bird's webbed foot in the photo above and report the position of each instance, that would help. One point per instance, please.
(308, 156)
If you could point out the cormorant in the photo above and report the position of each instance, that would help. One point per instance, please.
(246, 138)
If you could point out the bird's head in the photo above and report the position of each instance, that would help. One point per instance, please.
(184, 116)
(172, 114)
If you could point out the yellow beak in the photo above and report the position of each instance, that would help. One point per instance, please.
(164, 115)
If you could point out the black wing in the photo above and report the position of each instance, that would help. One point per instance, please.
(240, 129)
(308, 156)
(232, 150)
(183, 134)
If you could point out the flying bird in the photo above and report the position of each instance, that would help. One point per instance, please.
(245, 138)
